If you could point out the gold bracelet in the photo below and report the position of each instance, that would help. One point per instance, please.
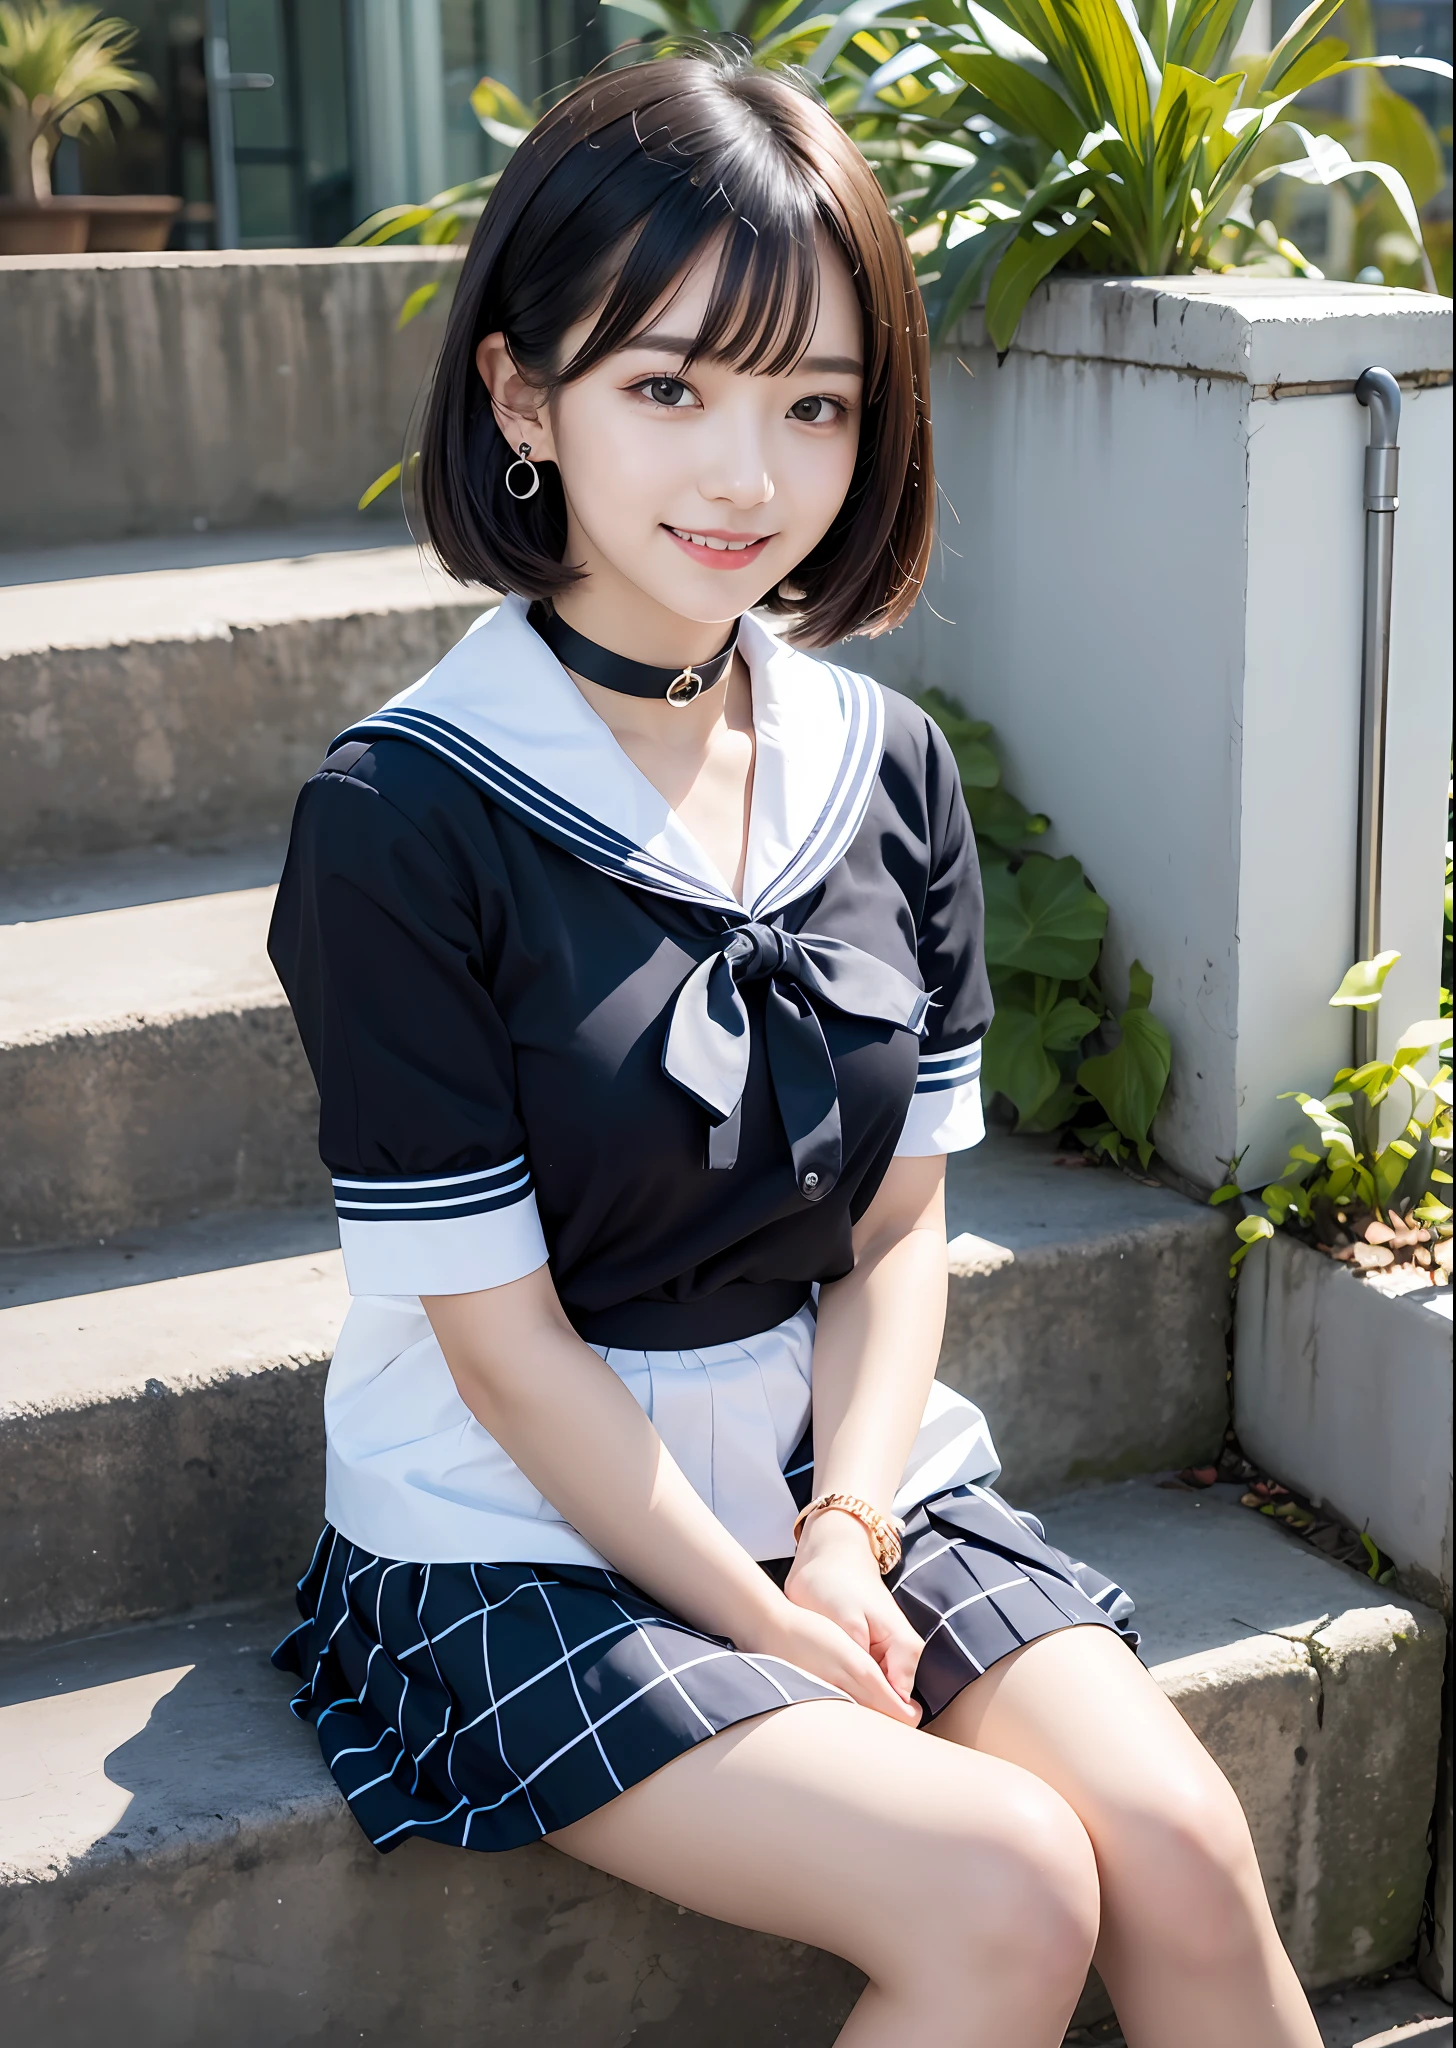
(884, 1531)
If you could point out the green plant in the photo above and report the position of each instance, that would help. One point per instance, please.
(1020, 136)
(1056, 1049)
(60, 70)
(1361, 1202)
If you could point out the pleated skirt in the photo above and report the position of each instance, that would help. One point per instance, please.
(486, 1705)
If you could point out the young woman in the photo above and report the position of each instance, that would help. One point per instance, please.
(637, 954)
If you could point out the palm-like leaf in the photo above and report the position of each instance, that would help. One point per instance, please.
(1016, 135)
(61, 68)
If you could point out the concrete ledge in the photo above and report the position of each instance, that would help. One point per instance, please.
(189, 704)
(1345, 1391)
(165, 1803)
(161, 1419)
(160, 1395)
(244, 388)
(1087, 1316)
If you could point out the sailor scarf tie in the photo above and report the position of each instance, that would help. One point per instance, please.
(707, 1047)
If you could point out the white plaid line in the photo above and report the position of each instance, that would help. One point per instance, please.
(576, 1689)
(712, 1657)
(325, 1531)
(544, 1672)
(486, 1607)
(929, 1558)
(363, 1748)
(975, 1663)
(440, 1818)
(985, 1594)
(789, 1699)
(383, 1778)
(653, 1650)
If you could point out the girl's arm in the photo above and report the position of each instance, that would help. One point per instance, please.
(874, 1359)
(563, 1416)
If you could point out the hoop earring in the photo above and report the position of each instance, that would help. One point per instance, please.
(523, 461)
(792, 593)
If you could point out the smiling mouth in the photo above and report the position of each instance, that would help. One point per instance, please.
(720, 544)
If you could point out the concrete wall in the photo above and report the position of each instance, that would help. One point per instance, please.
(1149, 579)
(245, 388)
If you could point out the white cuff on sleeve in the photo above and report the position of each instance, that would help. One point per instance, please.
(450, 1234)
(945, 1110)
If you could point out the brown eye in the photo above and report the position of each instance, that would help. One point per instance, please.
(814, 412)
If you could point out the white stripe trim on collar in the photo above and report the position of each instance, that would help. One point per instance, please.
(501, 709)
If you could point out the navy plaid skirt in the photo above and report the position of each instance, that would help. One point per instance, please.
(486, 1705)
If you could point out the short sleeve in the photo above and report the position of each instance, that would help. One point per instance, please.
(377, 943)
(945, 1110)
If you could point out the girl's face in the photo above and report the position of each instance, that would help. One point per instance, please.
(697, 487)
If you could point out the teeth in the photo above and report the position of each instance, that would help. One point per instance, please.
(720, 547)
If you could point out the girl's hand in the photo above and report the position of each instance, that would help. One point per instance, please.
(835, 1574)
(820, 1645)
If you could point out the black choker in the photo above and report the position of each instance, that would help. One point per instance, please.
(680, 686)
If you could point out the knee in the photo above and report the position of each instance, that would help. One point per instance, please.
(1028, 1903)
(1186, 1876)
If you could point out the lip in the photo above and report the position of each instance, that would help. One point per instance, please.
(720, 558)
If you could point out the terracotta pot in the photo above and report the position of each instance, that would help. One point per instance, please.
(52, 227)
(131, 221)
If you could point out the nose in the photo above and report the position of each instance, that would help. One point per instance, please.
(738, 471)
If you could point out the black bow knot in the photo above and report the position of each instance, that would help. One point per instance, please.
(707, 1048)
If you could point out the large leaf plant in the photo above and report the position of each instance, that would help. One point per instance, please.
(1015, 137)
(1019, 136)
(1057, 1050)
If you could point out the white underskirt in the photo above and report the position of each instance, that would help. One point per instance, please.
(413, 1475)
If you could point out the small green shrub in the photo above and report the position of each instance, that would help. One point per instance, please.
(1366, 1204)
(1056, 1049)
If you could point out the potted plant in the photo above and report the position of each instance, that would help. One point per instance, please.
(61, 69)
(1342, 1346)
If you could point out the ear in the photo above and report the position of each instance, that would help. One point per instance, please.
(520, 409)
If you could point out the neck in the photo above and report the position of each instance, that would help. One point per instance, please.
(619, 616)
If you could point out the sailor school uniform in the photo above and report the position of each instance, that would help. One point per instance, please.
(544, 1030)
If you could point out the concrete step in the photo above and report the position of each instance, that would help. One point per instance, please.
(178, 1866)
(149, 1067)
(160, 1393)
(161, 1418)
(143, 703)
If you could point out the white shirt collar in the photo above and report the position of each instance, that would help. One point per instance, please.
(501, 709)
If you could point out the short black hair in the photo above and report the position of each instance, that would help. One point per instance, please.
(601, 209)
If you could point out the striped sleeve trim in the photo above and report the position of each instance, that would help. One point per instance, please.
(439, 1234)
(945, 1112)
(941, 1070)
(420, 1201)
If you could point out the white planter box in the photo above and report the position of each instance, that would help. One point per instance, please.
(1344, 1392)
(1150, 580)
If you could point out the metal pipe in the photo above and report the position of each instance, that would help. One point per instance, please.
(1377, 390)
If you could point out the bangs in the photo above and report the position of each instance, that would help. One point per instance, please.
(765, 297)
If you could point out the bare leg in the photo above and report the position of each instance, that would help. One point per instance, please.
(1188, 1949)
(962, 1887)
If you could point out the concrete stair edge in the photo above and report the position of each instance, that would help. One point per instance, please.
(283, 1924)
(161, 1437)
(154, 716)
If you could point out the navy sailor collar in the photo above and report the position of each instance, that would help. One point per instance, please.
(502, 710)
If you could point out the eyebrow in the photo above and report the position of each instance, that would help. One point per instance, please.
(683, 345)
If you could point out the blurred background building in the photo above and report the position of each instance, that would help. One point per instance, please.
(286, 122)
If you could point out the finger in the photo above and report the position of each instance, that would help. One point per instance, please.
(874, 1690)
(896, 1648)
(902, 1659)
